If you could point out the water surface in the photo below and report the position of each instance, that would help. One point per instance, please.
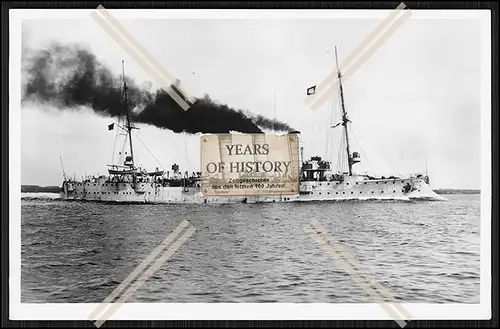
(78, 252)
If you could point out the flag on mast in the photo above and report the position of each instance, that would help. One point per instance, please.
(311, 90)
(111, 126)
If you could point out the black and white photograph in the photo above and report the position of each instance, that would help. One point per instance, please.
(250, 164)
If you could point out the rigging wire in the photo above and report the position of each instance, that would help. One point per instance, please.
(342, 142)
(114, 146)
(183, 154)
(339, 163)
(189, 163)
(345, 160)
(121, 83)
(123, 150)
(390, 165)
(339, 103)
(341, 156)
(334, 118)
(362, 150)
(328, 130)
(151, 153)
(338, 158)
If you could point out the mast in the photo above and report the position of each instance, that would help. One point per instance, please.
(129, 125)
(62, 166)
(345, 120)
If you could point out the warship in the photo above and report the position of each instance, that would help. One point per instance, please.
(126, 182)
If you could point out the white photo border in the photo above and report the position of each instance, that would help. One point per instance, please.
(242, 311)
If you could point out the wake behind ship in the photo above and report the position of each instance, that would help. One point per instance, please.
(126, 182)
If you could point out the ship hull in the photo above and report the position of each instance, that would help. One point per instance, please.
(383, 189)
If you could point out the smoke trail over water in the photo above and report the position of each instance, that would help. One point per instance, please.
(68, 77)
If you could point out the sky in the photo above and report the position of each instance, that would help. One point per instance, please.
(416, 98)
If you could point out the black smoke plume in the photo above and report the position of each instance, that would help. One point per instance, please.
(68, 77)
